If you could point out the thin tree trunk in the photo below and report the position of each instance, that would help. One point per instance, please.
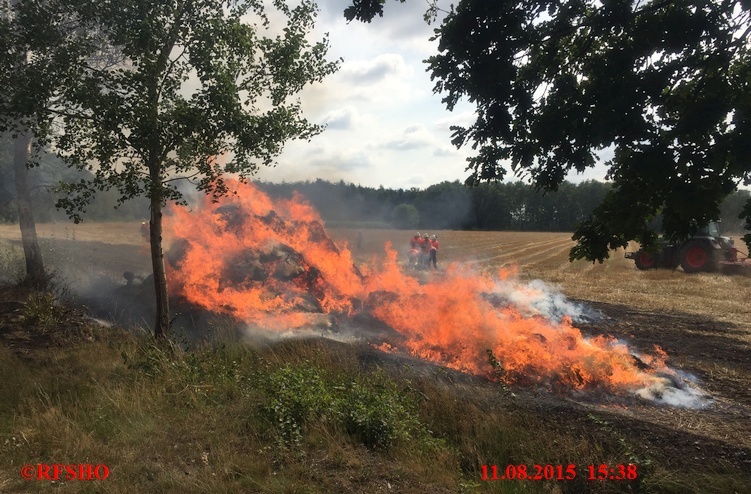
(35, 275)
(161, 327)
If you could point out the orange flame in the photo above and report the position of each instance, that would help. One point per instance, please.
(451, 320)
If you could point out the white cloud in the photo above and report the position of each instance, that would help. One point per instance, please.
(342, 118)
(402, 24)
(446, 151)
(384, 81)
(384, 124)
(327, 158)
(362, 72)
(341, 161)
(415, 136)
(414, 180)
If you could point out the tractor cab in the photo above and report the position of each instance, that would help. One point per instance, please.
(711, 230)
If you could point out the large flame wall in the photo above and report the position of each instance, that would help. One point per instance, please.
(452, 320)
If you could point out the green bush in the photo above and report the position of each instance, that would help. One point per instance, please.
(370, 408)
(375, 411)
(296, 396)
(42, 311)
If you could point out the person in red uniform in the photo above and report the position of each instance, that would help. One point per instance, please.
(425, 251)
(433, 252)
(415, 244)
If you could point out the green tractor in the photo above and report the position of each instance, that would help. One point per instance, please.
(705, 251)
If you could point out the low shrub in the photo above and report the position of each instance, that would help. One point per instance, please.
(371, 407)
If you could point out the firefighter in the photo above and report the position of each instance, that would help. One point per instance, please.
(414, 242)
(415, 245)
(425, 251)
(433, 252)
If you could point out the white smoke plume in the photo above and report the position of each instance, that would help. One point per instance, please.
(540, 298)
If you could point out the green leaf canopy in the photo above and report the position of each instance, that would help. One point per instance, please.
(184, 83)
(663, 84)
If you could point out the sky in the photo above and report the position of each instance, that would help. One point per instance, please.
(385, 126)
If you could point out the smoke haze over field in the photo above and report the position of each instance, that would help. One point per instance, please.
(44, 177)
(452, 205)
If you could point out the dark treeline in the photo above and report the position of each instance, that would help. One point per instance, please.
(44, 177)
(453, 205)
(44, 196)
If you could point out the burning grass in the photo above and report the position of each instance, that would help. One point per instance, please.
(118, 247)
(272, 265)
(544, 255)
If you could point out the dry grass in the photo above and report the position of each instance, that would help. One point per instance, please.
(113, 233)
(202, 422)
(167, 421)
(77, 254)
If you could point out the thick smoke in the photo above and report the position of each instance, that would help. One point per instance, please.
(540, 298)
(677, 390)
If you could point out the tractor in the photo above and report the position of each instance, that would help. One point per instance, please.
(706, 251)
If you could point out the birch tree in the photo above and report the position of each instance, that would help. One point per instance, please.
(205, 88)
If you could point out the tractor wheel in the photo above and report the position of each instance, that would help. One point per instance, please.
(645, 260)
(698, 256)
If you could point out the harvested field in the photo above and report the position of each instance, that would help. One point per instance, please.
(111, 248)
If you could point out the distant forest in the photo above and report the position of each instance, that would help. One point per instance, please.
(455, 206)
(447, 205)
(450, 205)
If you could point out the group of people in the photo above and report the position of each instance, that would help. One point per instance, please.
(423, 251)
